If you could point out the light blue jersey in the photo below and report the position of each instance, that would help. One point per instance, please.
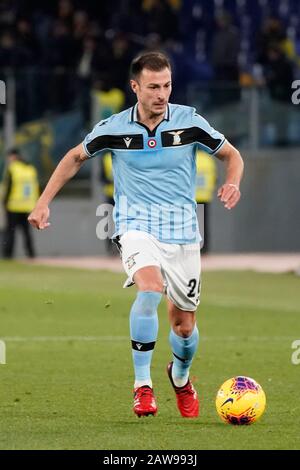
(155, 171)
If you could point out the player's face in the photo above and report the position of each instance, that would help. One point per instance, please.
(153, 90)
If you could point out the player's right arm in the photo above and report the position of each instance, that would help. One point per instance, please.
(65, 170)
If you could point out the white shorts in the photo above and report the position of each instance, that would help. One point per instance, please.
(179, 264)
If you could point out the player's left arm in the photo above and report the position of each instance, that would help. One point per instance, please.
(213, 142)
(229, 193)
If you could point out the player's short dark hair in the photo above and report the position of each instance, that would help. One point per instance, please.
(155, 61)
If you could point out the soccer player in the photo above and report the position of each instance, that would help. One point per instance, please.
(153, 146)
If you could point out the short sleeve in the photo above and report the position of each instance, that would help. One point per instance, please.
(208, 138)
(96, 143)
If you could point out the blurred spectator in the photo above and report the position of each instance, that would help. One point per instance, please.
(109, 100)
(8, 12)
(206, 181)
(21, 194)
(65, 12)
(279, 74)
(107, 179)
(272, 34)
(61, 48)
(225, 50)
(153, 42)
(88, 64)
(26, 39)
(13, 55)
(80, 27)
(161, 18)
(279, 77)
(60, 57)
(120, 61)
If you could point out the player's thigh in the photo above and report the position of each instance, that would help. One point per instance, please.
(182, 272)
(141, 260)
(149, 278)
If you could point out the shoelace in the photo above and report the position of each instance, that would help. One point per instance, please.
(144, 392)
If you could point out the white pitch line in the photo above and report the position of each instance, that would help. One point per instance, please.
(33, 339)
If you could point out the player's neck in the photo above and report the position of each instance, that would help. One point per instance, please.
(149, 119)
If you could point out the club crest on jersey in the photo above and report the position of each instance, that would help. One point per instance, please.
(152, 143)
(176, 137)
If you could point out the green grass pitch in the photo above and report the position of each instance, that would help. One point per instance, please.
(67, 383)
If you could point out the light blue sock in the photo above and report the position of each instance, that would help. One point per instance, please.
(183, 352)
(143, 331)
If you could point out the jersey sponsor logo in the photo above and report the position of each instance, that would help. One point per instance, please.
(176, 137)
(115, 142)
(127, 141)
(152, 143)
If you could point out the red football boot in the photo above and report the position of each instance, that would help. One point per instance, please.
(187, 398)
(144, 403)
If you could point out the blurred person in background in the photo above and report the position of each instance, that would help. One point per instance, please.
(89, 62)
(65, 12)
(162, 18)
(271, 34)
(279, 76)
(225, 51)
(121, 57)
(206, 179)
(21, 193)
(107, 179)
(59, 59)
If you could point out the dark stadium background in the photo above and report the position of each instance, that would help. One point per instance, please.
(65, 65)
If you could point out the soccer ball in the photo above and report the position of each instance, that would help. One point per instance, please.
(240, 400)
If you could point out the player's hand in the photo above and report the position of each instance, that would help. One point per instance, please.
(229, 194)
(39, 217)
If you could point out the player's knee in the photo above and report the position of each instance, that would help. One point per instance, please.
(184, 327)
(151, 286)
(185, 330)
(147, 302)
